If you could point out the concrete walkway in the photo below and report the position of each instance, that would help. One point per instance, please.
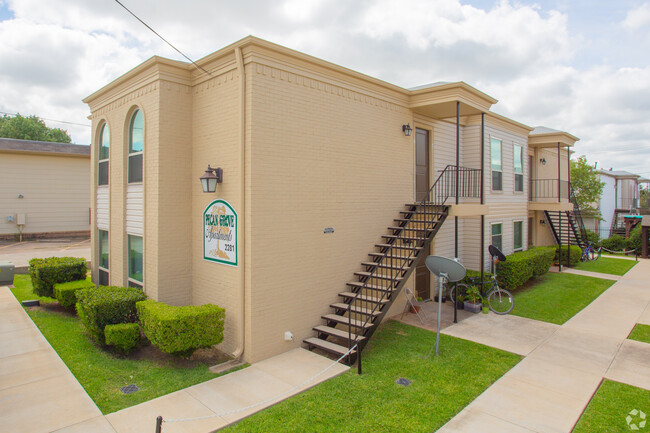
(588, 273)
(563, 365)
(39, 394)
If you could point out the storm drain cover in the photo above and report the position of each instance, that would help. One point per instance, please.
(129, 389)
(402, 381)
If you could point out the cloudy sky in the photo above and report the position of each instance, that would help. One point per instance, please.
(582, 66)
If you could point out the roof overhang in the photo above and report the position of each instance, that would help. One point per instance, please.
(439, 101)
(551, 139)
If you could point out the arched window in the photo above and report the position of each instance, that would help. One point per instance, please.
(136, 146)
(104, 144)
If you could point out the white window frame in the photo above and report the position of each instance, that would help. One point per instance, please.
(492, 235)
(492, 169)
(514, 168)
(514, 235)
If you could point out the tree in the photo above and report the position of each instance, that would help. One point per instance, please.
(587, 186)
(31, 128)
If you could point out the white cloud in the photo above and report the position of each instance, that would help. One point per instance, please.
(638, 18)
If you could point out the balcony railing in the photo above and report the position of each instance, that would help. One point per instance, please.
(548, 189)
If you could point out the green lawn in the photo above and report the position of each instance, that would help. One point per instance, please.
(441, 387)
(555, 298)
(610, 406)
(99, 372)
(641, 333)
(607, 265)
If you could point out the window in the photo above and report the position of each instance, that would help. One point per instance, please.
(102, 246)
(519, 167)
(497, 235)
(104, 144)
(135, 261)
(519, 235)
(136, 145)
(497, 175)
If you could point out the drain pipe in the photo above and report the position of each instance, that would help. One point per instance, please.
(239, 352)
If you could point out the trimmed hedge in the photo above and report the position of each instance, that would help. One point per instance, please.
(524, 265)
(615, 243)
(123, 336)
(574, 259)
(107, 305)
(181, 330)
(45, 273)
(66, 293)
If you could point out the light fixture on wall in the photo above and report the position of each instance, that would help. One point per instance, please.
(542, 222)
(542, 160)
(211, 178)
(407, 129)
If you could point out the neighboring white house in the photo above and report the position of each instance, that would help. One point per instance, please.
(620, 197)
(44, 189)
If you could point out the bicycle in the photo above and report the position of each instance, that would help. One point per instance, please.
(589, 253)
(499, 300)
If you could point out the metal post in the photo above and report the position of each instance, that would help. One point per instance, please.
(568, 169)
(455, 218)
(441, 277)
(559, 175)
(482, 193)
(159, 421)
(358, 360)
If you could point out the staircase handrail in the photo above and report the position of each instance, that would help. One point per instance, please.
(444, 187)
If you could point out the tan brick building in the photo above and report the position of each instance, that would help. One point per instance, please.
(316, 164)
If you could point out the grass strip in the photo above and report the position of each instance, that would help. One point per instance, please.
(607, 265)
(555, 298)
(610, 406)
(440, 387)
(641, 333)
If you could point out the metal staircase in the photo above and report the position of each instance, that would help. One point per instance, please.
(567, 227)
(364, 303)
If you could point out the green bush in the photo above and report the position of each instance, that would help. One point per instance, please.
(123, 336)
(107, 305)
(181, 330)
(634, 241)
(474, 274)
(593, 238)
(66, 293)
(524, 265)
(45, 273)
(574, 258)
(615, 243)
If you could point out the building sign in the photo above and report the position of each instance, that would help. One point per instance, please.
(220, 233)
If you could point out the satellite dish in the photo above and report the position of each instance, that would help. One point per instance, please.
(494, 252)
(453, 270)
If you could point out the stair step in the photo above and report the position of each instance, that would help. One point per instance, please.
(360, 284)
(421, 212)
(411, 229)
(401, 247)
(359, 310)
(365, 298)
(322, 329)
(346, 321)
(402, 238)
(383, 265)
(391, 256)
(364, 274)
(328, 346)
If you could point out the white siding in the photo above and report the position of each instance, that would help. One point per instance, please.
(103, 207)
(134, 209)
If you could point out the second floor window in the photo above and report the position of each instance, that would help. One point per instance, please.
(104, 145)
(136, 147)
(519, 167)
(496, 166)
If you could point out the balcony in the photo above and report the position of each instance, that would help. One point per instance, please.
(549, 195)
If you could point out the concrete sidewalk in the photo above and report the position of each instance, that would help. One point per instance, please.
(39, 394)
(550, 388)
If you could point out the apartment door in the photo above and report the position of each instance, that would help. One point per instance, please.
(422, 274)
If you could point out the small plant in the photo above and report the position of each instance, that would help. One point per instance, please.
(66, 293)
(107, 305)
(419, 299)
(45, 273)
(123, 336)
(181, 330)
(473, 295)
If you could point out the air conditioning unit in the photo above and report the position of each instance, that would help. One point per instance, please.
(6, 273)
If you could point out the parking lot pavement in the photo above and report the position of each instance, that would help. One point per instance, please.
(20, 253)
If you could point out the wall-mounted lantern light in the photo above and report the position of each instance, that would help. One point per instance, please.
(542, 222)
(407, 129)
(211, 178)
(542, 160)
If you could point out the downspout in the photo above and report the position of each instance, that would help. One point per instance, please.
(242, 237)
(482, 194)
(457, 186)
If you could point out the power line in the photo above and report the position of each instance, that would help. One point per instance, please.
(165, 40)
(49, 120)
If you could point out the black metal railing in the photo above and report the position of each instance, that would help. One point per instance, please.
(577, 215)
(401, 249)
(548, 189)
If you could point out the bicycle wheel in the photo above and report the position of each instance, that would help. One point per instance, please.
(500, 301)
(462, 289)
(591, 254)
(598, 252)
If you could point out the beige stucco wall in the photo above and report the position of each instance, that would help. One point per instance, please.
(55, 190)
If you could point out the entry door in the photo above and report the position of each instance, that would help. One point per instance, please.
(422, 274)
